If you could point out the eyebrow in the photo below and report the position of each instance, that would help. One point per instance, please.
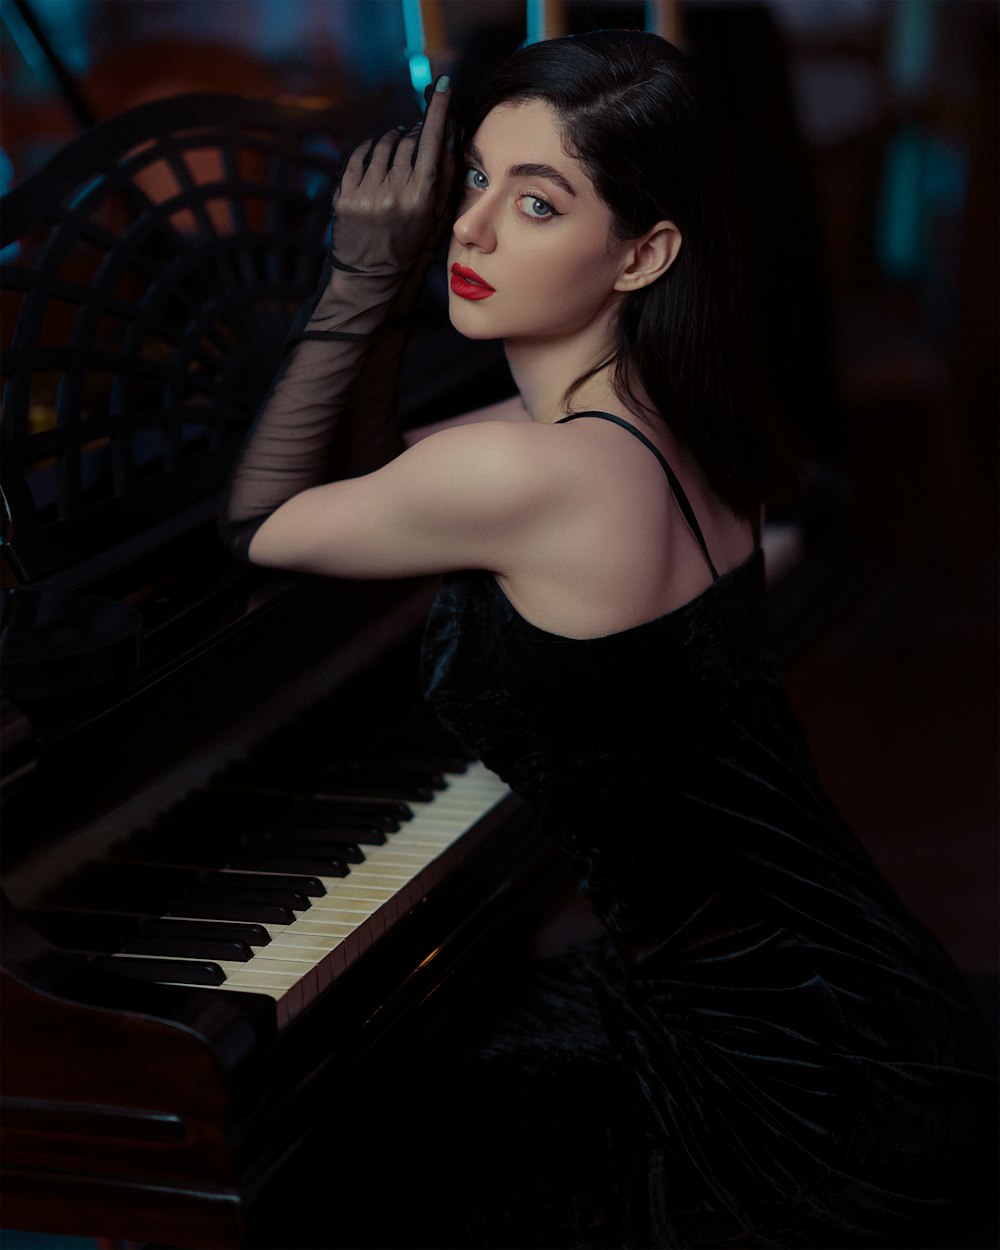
(529, 169)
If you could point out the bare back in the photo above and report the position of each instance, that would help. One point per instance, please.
(627, 546)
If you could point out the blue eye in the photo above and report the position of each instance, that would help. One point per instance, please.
(476, 179)
(536, 208)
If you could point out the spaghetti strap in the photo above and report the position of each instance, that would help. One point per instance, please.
(682, 499)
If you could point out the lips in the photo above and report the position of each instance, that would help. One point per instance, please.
(468, 284)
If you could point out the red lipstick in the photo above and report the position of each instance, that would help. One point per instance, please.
(468, 284)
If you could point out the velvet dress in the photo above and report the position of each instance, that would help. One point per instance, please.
(768, 1049)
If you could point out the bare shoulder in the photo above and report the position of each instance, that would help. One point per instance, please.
(567, 462)
(520, 475)
(507, 453)
(510, 409)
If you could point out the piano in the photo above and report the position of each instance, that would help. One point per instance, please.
(242, 862)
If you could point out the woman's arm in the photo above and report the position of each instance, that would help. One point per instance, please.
(390, 210)
(473, 496)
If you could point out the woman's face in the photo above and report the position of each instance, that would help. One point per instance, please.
(532, 255)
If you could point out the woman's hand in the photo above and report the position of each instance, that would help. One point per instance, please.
(394, 200)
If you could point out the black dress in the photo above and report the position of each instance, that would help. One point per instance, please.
(768, 1049)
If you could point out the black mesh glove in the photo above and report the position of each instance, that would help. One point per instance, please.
(391, 210)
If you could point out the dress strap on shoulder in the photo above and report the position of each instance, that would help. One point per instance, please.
(682, 500)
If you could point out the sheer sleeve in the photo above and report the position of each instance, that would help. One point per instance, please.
(320, 389)
(331, 410)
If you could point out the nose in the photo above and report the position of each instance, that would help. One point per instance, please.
(474, 225)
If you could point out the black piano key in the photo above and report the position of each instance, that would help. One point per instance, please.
(187, 971)
(371, 788)
(354, 786)
(338, 806)
(255, 857)
(189, 948)
(370, 809)
(362, 826)
(315, 750)
(351, 776)
(267, 881)
(253, 934)
(232, 811)
(203, 852)
(346, 808)
(356, 834)
(259, 913)
(322, 866)
(335, 848)
(237, 894)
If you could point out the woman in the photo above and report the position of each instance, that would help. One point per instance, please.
(769, 1050)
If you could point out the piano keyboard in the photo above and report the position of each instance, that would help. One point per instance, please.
(302, 958)
(292, 881)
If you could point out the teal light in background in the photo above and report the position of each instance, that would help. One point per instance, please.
(923, 182)
(416, 57)
(924, 172)
(24, 40)
(280, 28)
(911, 44)
(534, 21)
(374, 39)
(7, 254)
(65, 23)
(420, 72)
(901, 212)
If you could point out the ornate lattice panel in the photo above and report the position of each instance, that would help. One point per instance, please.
(150, 273)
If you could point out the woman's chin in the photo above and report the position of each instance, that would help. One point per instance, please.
(465, 325)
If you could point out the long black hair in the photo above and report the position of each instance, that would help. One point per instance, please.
(634, 114)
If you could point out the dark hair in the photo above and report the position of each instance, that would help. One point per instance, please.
(634, 115)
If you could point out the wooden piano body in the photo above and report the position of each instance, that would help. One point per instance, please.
(150, 272)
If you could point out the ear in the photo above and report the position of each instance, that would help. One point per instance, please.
(649, 256)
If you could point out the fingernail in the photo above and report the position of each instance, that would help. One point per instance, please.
(443, 83)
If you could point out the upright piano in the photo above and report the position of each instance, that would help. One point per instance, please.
(241, 860)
